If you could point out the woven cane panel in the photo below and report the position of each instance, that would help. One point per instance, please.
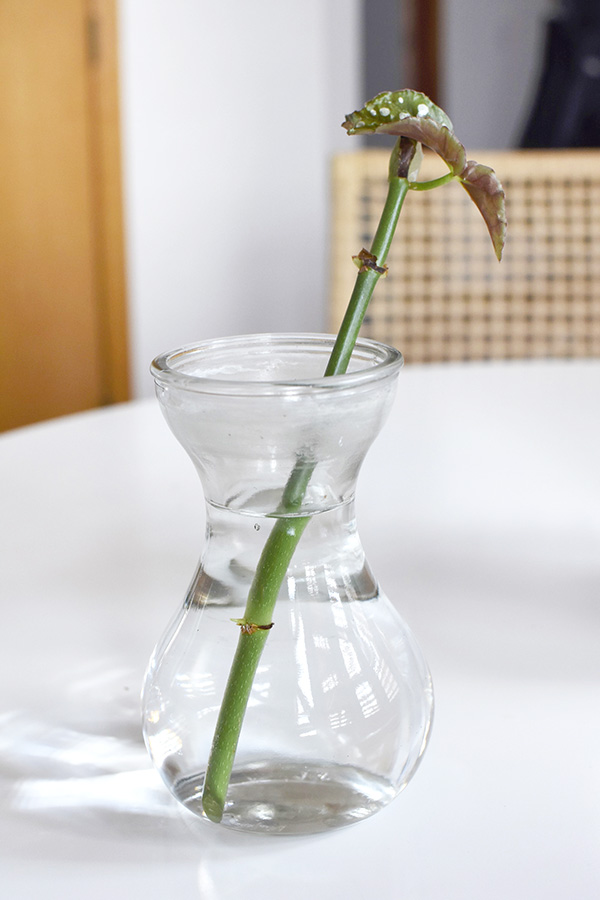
(446, 297)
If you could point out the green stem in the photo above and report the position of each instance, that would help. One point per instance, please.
(284, 537)
(430, 185)
(270, 572)
(366, 281)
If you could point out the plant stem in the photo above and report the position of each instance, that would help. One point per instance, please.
(366, 281)
(285, 535)
(430, 185)
(270, 572)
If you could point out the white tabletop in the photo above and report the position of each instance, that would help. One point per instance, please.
(479, 507)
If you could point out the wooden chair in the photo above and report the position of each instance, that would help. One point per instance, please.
(446, 297)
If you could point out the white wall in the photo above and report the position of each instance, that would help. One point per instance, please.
(231, 112)
(490, 62)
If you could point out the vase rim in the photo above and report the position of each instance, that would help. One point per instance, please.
(172, 367)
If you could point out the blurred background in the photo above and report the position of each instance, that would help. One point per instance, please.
(165, 163)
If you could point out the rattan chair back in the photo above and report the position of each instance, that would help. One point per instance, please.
(446, 297)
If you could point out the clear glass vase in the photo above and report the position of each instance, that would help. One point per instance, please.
(339, 707)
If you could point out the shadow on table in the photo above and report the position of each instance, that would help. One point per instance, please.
(76, 784)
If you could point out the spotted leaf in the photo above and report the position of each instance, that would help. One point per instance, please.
(413, 115)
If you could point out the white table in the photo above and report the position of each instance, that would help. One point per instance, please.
(479, 507)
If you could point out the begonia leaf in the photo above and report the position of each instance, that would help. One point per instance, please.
(413, 115)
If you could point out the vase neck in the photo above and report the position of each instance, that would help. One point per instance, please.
(234, 542)
(282, 454)
(255, 441)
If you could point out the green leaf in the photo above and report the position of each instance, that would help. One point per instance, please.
(413, 115)
(392, 106)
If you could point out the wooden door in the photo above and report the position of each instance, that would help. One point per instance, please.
(62, 316)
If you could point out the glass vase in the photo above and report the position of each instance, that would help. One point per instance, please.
(338, 711)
